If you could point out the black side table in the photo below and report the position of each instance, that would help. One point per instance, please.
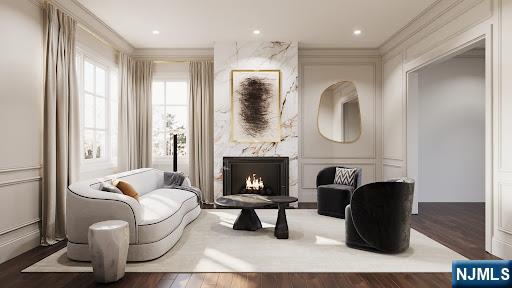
(281, 230)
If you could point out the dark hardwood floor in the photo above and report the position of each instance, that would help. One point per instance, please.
(459, 226)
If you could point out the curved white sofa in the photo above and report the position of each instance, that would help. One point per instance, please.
(156, 221)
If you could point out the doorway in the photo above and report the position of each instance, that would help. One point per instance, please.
(449, 128)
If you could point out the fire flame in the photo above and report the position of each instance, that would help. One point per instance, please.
(254, 183)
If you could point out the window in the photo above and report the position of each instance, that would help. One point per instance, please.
(170, 116)
(98, 89)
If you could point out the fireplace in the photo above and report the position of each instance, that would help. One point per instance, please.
(257, 175)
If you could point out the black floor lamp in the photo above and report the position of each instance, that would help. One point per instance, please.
(175, 152)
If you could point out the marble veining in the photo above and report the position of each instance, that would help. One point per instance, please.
(273, 55)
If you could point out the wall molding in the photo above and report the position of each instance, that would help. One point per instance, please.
(19, 169)
(332, 52)
(500, 207)
(20, 181)
(93, 24)
(19, 226)
(392, 165)
(341, 161)
(19, 244)
(35, 231)
(426, 18)
(174, 54)
(310, 61)
(501, 248)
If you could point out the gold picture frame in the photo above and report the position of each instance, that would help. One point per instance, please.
(255, 114)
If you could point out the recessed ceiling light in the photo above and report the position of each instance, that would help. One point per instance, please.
(256, 32)
(357, 32)
(155, 32)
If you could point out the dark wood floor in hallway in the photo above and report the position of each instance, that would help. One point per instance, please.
(459, 226)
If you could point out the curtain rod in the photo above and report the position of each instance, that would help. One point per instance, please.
(169, 61)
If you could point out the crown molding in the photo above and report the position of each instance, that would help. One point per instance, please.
(182, 54)
(432, 18)
(38, 3)
(92, 24)
(338, 52)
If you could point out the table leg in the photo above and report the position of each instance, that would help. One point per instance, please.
(247, 220)
(281, 230)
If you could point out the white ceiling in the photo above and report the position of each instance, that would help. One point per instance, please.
(200, 23)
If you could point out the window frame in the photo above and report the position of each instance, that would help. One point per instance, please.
(171, 77)
(108, 161)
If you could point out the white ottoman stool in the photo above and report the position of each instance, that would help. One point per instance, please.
(108, 247)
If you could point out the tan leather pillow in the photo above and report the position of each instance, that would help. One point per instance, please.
(126, 188)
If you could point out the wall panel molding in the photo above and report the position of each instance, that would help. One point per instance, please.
(367, 64)
(19, 169)
(17, 227)
(307, 180)
(19, 181)
(505, 201)
(329, 61)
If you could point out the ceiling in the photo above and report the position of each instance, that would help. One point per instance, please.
(200, 23)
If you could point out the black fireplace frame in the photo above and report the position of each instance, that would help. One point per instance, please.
(227, 162)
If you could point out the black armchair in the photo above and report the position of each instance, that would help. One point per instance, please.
(379, 216)
(333, 198)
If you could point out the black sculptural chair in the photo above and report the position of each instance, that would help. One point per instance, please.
(379, 216)
(333, 198)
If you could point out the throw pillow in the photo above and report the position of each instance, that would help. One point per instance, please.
(126, 188)
(345, 176)
(107, 187)
(173, 178)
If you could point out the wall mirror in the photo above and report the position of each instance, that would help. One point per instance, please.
(339, 116)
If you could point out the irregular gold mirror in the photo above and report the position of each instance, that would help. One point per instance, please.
(339, 116)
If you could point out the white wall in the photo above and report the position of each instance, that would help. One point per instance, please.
(320, 69)
(21, 107)
(452, 131)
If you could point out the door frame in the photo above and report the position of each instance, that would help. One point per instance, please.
(456, 45)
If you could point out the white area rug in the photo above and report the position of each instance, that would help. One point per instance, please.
(316, 244)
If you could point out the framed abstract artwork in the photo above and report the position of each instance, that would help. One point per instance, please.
(255, 105)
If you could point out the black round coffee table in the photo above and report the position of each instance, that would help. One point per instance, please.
(248, 219)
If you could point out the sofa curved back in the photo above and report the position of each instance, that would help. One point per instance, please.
(326, 176)
(381, 213)
(86, 205)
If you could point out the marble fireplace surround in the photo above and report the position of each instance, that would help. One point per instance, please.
(273, 55)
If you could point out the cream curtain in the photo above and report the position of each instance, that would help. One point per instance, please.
(134, 113)
(61, 122)
(201, 127)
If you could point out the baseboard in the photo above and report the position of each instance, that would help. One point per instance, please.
(501, 249)
(19, 245)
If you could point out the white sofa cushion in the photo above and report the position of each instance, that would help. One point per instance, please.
(163, 211)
